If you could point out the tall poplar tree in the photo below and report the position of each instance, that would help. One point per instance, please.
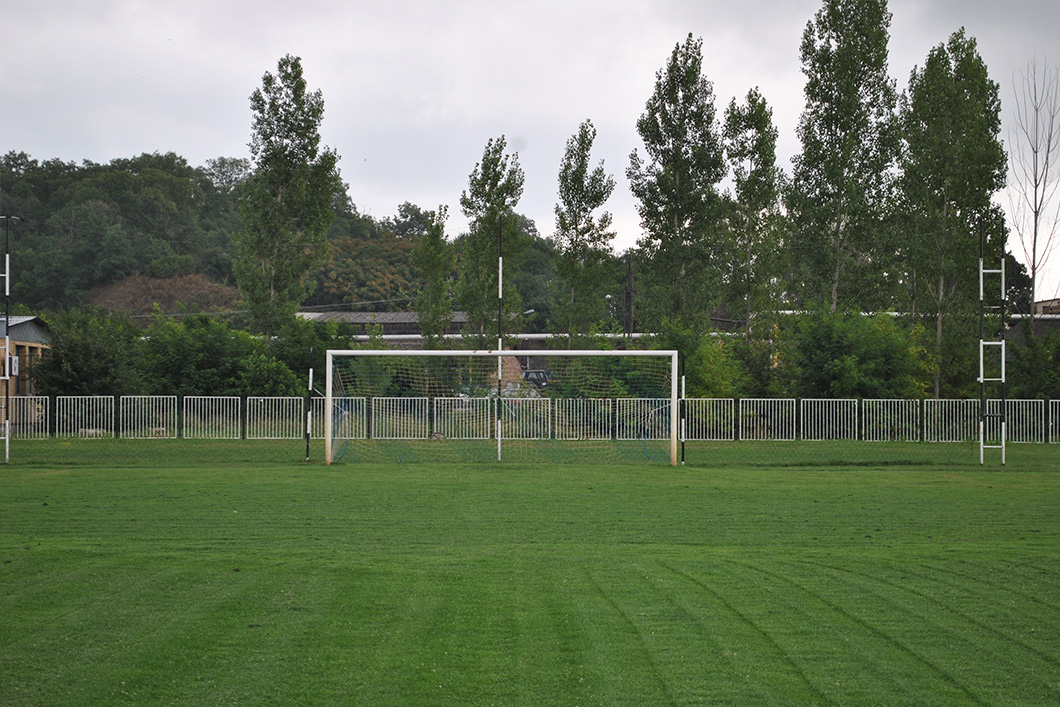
(434, 259)
(953, 164)
(750, 146)
(677, 189)
(286, 203)
(494, 189)
(842, 179)
(583, 238)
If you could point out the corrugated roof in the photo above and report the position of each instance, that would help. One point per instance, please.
(373, 317)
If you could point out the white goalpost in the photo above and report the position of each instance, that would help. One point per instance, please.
(584, 406)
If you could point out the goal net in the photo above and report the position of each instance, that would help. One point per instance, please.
(518, 406)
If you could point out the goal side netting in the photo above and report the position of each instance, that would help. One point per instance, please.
(516, 406)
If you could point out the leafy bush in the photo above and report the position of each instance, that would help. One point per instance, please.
(842, 355)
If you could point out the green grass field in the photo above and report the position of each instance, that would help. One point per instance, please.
(219, 574)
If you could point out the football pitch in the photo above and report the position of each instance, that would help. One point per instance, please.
(218, 576)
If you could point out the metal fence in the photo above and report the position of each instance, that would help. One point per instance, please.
(890, 420)
(767, 419)
(822, 420)
(400, 418)
(148, 416)
(951, 420)
(702, 419)
(709, 419)
(642, 418)
(207, 417)
(1025, 421)
(84, 416)
(30, 417)
(275, 418)
(526, 418)
(583, 418)
(463, 418)
(1054, 421)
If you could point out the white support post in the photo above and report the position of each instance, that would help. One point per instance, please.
(673, 409)
(328, 409)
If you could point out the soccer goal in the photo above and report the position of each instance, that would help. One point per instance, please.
(521, 406)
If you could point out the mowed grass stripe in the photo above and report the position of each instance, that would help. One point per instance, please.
(444, 584)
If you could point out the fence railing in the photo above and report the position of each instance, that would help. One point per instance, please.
(148, 416)
(84, 417)
(702, 419)
(1054, 421)
(767, 419)
(890, 420)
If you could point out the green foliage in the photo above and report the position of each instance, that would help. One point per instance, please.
(533, 279)
(843, 176)
(434, 260)
(953, 164)
(264, 375)
(755, 221)
(494, 189)
(1034, 368)
(84, 227)
(583, 240)
(303, 344)
(840, 355)
(196, 355)
(714, 371)
(93, 352)
(286, 202)
(677, 190)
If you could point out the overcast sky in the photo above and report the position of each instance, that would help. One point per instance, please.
(414, 88)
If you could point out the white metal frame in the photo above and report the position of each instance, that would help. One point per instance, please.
(462, 418)
(773, 418)
(1054, 421)
(148, 416)
(30, 415)
(499, 355)
(826, 419)
(709, 419)
(275, 417)
(951, 420)
(212, 417)
(84, 416)
(890, 420)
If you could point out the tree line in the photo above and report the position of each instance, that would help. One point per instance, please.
(884, 211)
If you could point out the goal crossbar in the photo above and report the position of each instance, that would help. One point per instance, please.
(333, 354)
